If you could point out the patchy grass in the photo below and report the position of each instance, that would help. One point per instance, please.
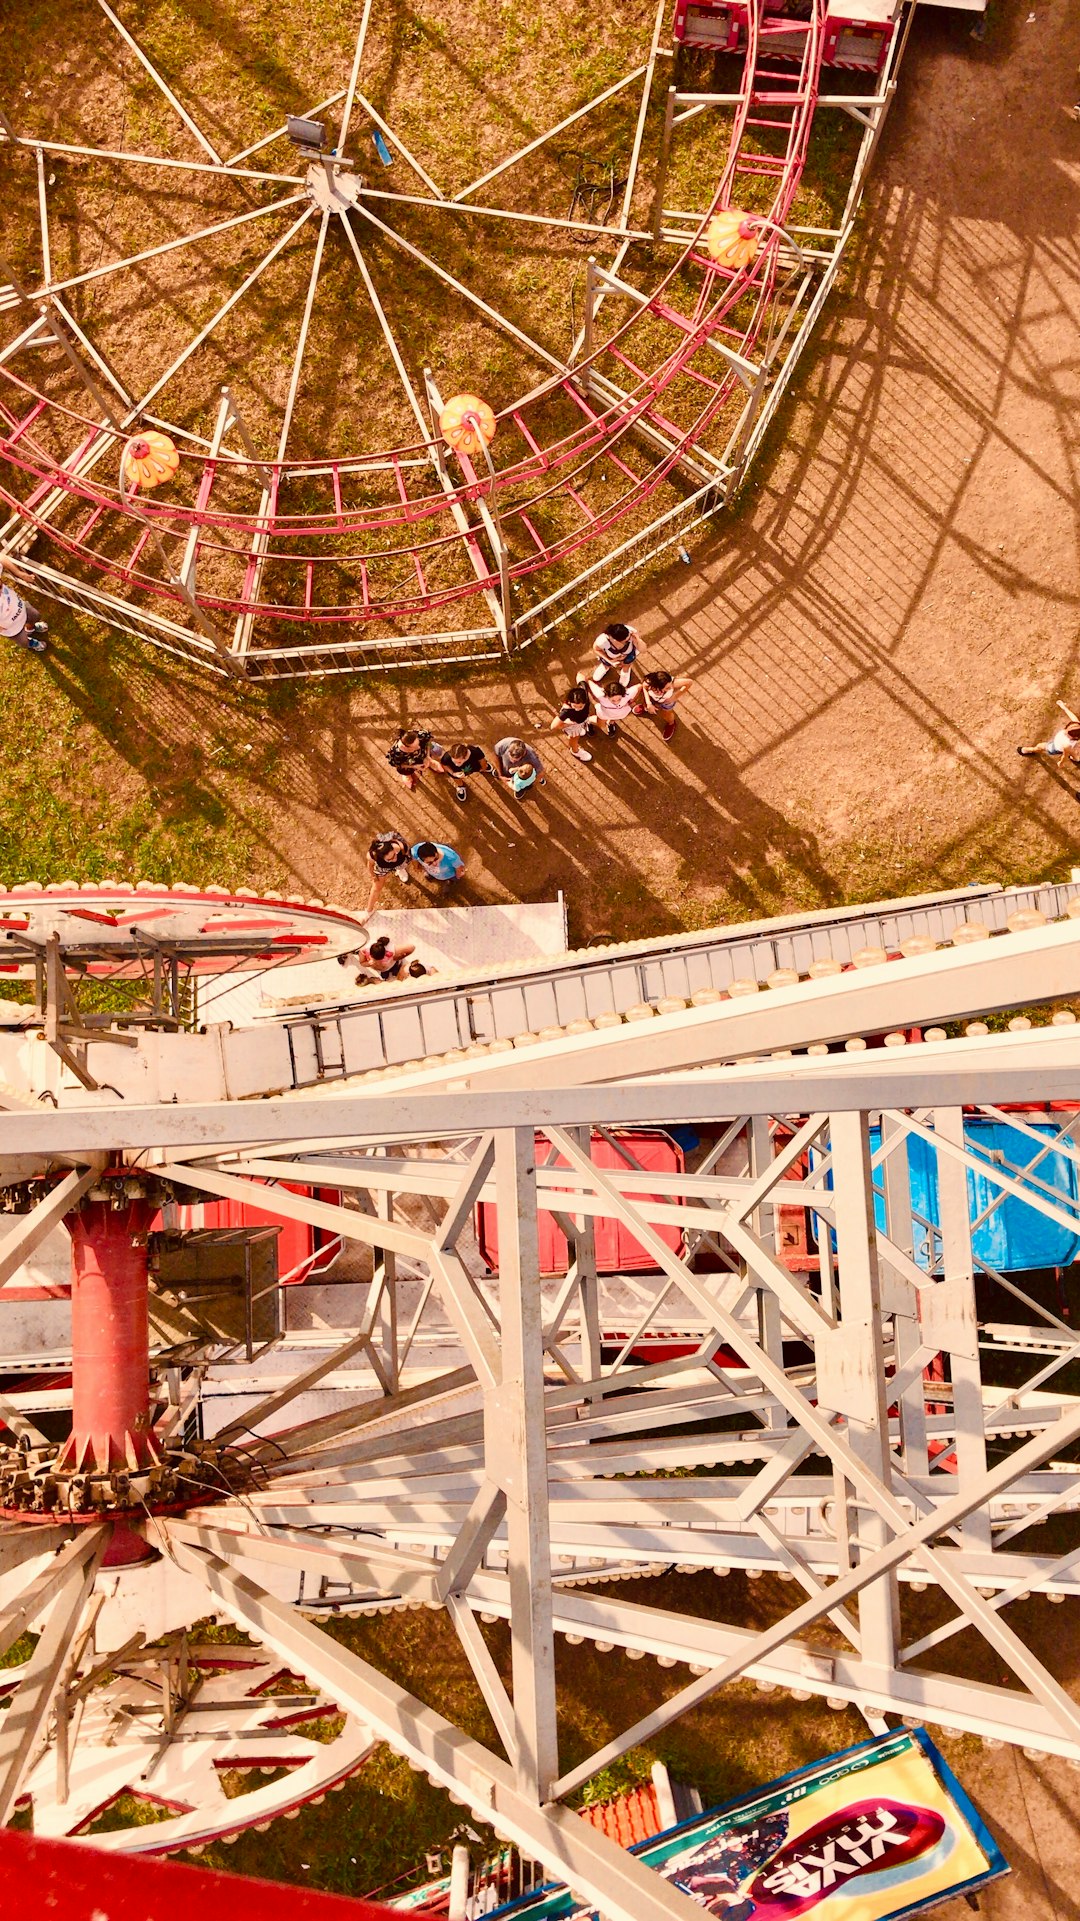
(89, 789)
(129, 1810)
(19, 1651)
(387, 1817)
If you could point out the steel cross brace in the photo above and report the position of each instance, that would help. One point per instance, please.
(25, 1724)
(878, 1495)
(600, 1872)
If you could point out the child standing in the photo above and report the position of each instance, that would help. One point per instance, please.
(617, 648)
(574, 719)
(660, 693)
(21, 623)
(613, 702)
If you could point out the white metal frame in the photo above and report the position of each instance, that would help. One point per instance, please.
(490, 1491)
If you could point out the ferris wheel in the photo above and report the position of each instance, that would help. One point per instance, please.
(488, 397)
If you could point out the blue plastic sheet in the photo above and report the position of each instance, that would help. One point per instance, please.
(1014, 1236)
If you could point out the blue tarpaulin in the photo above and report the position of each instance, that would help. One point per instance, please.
(1015, 1236)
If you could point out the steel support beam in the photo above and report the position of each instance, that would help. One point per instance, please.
(601, 1873)
(25, 1725)
(515, 1444)
(851, 1372)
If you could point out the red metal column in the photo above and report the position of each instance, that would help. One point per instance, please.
(110, 1336)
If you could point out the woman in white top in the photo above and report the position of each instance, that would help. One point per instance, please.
(1063, 746)
(612, 702)
(21, 623)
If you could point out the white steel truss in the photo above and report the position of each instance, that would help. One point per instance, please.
(896, 1414)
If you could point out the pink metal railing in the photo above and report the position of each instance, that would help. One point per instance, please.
(548, 473)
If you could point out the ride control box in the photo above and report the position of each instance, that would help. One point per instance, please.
(216, 1283)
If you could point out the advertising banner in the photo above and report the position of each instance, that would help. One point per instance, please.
(879, 1831)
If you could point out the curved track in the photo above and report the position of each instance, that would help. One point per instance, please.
(644, 426)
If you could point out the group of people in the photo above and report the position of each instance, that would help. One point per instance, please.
(380, 960)
(390, 853)
(416, 750)
(617, 689)
(603, 697)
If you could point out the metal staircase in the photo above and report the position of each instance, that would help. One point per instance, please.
(392, 1026)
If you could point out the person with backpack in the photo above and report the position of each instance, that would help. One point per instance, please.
(410, 754)
(21, 623)
(388, 854)
(574, 719)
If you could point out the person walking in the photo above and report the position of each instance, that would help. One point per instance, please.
(458, 763)
(617, 648)
(660, 694)
(574, 719)
(1064, 746)
(613, 702)
(21, 623)
(410, 754)
(437, 861)
(519, 765)
(388, 854)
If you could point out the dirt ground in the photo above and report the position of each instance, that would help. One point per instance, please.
(893, 611)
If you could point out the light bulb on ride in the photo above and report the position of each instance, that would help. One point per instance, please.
(149, 459)
(467, 424)
(732, 238)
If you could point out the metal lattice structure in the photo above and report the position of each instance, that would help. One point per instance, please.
(263, 564)
(866, 1425)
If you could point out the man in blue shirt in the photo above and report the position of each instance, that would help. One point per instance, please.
(438, 862)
